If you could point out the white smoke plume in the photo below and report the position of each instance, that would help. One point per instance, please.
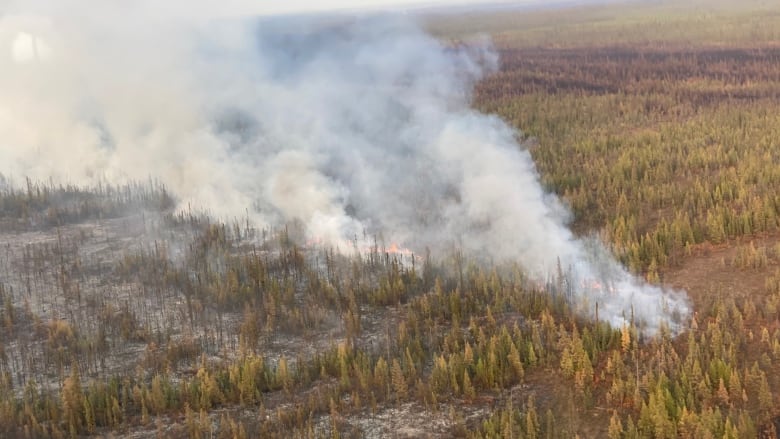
(345, 125)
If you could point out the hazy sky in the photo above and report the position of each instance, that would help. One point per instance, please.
(268, 7)
(261, 7)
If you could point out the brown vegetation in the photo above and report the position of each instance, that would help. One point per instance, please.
(119, 316)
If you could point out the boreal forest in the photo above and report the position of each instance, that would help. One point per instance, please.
(126, 313)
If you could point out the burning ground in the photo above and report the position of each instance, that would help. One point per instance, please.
(111, 285)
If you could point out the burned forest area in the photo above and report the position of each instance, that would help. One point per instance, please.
(127, 312)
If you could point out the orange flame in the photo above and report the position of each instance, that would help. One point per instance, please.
(395, 249)
(312, 242)
(392, 248)
(594, 285)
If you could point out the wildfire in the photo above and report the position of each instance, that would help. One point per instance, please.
(396, 249)
(314, 242)
(364, 247)
(594, 285)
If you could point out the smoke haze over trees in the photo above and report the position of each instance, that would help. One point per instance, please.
(352, 127)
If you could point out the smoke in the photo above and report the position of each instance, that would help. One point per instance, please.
(345, 125)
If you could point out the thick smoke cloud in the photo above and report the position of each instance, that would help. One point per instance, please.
(345, 125)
